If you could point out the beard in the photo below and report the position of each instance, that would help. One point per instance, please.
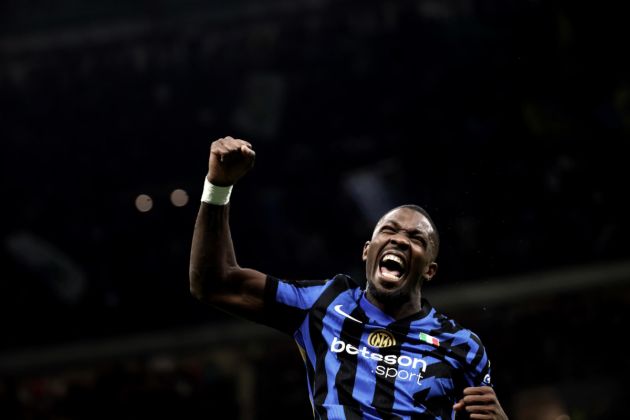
(389, 297)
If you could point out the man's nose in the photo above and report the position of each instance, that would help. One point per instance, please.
(399, 240)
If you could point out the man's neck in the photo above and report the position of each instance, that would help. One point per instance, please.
(398, 309)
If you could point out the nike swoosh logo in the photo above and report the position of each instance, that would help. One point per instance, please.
(339, 311)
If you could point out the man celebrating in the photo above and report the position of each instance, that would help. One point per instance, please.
(379, 353)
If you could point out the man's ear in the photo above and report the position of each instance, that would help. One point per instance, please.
(365, 250)
(430, 271)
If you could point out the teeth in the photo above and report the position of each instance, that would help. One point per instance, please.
(395, 258)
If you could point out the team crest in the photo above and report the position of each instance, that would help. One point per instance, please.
(381, 339)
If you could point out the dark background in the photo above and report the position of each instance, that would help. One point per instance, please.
(506, 120)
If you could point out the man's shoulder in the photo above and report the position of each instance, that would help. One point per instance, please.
(450, 329)
(334, 288)
(340, 284)
(340, 281)
(345, 280)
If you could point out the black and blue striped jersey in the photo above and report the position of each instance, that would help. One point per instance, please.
(363, 364)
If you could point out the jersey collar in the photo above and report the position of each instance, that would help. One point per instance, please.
(381, 318)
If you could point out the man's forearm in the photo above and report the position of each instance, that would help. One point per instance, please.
(212, 253)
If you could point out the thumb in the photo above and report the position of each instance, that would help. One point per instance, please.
(248, 152)
(458, 405)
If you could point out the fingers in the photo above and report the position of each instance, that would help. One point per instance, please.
(479, 400)
(235, 143)
(479, 395)
(248, 151)
(229, 146)
(482, 412)
(477, 390)
(481, 403)
(476, 409)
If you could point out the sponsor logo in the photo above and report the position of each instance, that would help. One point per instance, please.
(341, 312)
(401, 367)
(381, 339)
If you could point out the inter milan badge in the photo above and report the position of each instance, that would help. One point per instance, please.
(381, 338)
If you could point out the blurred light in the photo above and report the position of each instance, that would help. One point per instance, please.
(144, 203)
(179, 198)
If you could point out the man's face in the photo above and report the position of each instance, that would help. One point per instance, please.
(399, 255)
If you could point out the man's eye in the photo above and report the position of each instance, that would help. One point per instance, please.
(420, 240)
(387, 229)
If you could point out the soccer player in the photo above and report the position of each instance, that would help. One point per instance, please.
(379, 353)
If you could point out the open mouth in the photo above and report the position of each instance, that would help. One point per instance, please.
(392, 267)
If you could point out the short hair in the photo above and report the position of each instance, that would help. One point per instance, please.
(436, 234)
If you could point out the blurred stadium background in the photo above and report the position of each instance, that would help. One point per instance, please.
(507, 120)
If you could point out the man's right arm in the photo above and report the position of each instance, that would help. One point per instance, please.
(215, 276)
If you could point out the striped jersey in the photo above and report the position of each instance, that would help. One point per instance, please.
(363, 364)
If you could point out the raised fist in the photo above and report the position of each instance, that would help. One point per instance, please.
(230, 159)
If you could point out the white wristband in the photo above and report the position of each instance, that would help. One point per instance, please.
(213, 194)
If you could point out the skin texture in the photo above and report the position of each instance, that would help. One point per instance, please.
(216, 278)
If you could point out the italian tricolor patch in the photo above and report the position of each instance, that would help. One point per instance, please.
(429, 339)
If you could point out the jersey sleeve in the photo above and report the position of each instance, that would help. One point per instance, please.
(286, 303)
(477, 364)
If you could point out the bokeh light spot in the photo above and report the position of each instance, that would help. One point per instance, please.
(144, 203)
(179, 198)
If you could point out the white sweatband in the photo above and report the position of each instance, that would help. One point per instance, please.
(213, 194)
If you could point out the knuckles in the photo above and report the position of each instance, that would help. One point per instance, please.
(228, 144)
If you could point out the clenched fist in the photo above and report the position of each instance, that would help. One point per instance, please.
(230, 159)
